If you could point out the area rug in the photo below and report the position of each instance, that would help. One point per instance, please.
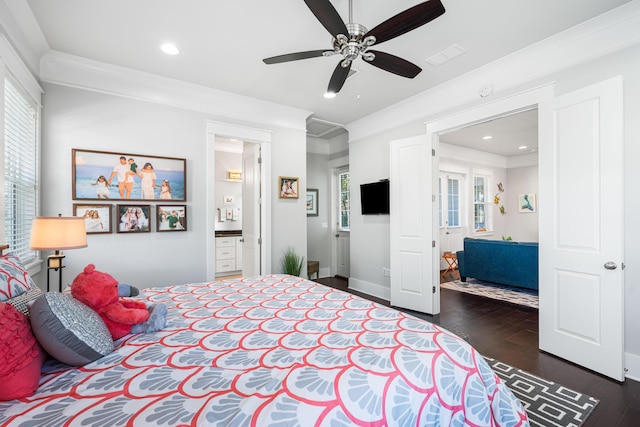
(547, 404)
(493, 290)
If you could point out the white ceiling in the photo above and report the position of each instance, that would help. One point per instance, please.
(508, 134)
(222, 43)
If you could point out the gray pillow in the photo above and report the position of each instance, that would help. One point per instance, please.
(68, 330)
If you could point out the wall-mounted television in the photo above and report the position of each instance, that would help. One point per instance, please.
(374, 198)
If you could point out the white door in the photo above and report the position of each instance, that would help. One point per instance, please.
(581, 227)
(411, 222)
(343, 257)
(251, 230)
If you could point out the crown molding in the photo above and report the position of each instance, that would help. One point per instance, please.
(609, 32)
(10, 58)
(74, 71)
(453, 154)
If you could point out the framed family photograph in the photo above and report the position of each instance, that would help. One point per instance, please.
(288, 187)
(171, 217)
(133, 218)
(101, 175)
(312, 202)
(97, 218)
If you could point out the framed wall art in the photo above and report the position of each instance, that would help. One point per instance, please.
(171, 217)
(312, 202)
(526, 203)
(101, 175)
(288, 187)
(133, 218)
(97, 218)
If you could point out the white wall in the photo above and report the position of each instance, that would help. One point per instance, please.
(522, 227)
(77, 118)
(289, 220)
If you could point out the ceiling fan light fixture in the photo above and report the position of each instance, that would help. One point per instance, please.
(352, 40)
(368, 56)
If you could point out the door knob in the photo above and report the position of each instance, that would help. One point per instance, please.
(610, 265)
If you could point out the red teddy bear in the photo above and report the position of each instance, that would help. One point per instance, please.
(100, 292)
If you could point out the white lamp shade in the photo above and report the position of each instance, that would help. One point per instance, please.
(56, 233)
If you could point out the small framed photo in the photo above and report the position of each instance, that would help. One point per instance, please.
(133, 218)
(171, 217)
(526, 203)
(288, 187)
(312, 202)
(97, 218)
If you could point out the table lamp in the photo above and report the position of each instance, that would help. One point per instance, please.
(55, 234)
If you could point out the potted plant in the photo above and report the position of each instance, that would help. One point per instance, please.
(292, 262)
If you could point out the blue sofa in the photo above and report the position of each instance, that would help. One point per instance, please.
(500, 261)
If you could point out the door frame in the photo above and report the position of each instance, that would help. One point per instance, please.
(500, 107)
(245, 134)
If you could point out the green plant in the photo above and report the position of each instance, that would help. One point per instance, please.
(292, 262)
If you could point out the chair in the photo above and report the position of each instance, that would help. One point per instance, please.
(452, 263)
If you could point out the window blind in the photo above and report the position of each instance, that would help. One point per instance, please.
(20, 169)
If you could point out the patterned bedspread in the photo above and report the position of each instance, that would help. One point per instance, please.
(275, 351)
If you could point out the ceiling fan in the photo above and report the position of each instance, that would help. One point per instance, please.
(352, 40)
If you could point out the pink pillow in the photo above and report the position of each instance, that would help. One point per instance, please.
(21, 356)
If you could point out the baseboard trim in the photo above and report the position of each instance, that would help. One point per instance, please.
(373, 289)
(632, 365)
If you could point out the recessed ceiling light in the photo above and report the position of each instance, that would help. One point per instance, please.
(330, 95)
(522, 147)
(486, 138)
(170, 49)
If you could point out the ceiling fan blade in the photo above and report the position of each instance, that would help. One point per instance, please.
(338, 78)
(296, 56)
(406, 21)
(394, 64)
(328, 16)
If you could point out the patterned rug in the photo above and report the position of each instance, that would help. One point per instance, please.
(547, 404)
(493, 290)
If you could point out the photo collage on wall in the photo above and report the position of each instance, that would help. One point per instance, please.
(132, 180)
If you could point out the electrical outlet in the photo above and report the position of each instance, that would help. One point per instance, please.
(386, 271)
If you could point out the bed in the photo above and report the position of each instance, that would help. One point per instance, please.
(274, 350)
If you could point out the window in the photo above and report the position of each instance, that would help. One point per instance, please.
(481, 204)
(345, 201)
(21, 116)
(449, 201)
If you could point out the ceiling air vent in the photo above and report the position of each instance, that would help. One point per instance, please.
(446, 55)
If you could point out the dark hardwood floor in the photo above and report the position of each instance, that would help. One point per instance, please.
(509, 333)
